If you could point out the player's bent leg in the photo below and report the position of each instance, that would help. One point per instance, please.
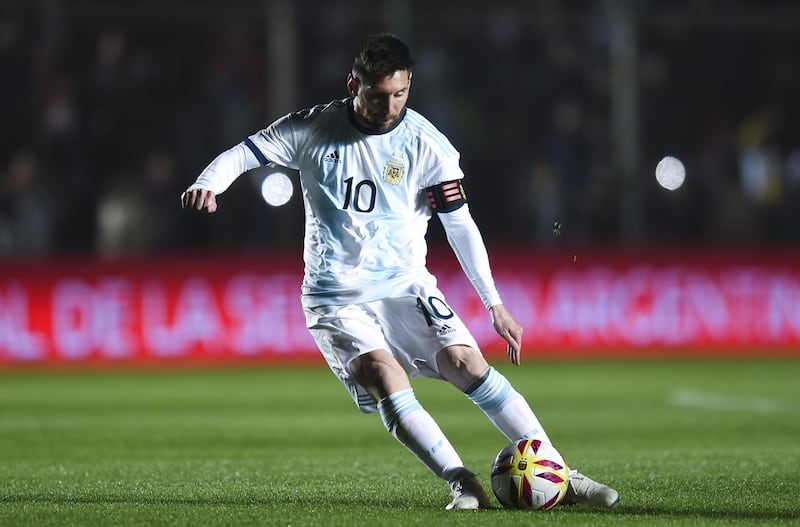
(406, 419)
(465, 368)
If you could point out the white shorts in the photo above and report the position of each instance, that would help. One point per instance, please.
(413, 328)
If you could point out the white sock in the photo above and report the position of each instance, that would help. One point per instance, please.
(506, 408)
(414, 427)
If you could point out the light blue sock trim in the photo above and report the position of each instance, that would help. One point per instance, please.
(395, 406)
(492, 392)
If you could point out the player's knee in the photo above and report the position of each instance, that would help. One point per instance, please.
(379, 373)
(460, 357)
(461, 365)
(365, 368)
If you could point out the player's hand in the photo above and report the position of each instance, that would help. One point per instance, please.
(199, 199)
(508, 328)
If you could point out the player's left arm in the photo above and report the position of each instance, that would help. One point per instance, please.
(449, 200)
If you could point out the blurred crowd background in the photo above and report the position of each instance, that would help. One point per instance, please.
(560, 109)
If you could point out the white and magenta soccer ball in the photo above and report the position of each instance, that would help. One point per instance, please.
(529, 474)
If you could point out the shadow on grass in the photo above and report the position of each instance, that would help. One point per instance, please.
(400, 503)
(260, 500)
(689, 513)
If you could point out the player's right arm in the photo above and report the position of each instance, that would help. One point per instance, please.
(217, 177)
(274, 144)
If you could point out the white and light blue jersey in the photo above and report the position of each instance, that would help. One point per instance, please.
(366, 210)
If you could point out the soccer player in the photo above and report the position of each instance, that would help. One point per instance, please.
(373, 172)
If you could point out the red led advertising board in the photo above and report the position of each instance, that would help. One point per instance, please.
(587, 303)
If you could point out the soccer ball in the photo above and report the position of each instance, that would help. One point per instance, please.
(529, 474)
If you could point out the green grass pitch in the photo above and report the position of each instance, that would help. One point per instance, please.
(685, 442)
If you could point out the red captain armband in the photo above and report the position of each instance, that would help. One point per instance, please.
(447, 196)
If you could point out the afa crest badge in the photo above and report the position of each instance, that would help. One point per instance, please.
(395, 169)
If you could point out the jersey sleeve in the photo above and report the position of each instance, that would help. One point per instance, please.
(277, 143)
(438, 159)
(274, 144)
(467, 243)
(444, 169)
(224, 169)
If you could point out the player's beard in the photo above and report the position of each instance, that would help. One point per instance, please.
(385, 122)
(380, 122)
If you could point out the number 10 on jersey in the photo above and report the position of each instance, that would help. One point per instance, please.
(360, 196)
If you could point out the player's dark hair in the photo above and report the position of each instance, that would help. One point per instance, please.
(380, 55)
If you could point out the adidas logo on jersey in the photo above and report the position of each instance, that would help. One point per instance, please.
(444, 330)
(333, 157)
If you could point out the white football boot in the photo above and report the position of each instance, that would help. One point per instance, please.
(584, 490)
(467, 492)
